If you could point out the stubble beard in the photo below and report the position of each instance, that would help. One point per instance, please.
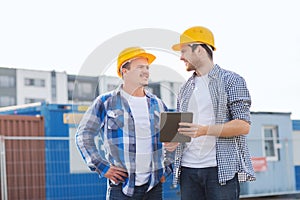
(190, 67)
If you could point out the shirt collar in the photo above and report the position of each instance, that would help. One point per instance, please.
(212, 73)
(119, 88)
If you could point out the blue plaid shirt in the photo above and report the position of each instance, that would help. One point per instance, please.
(231, 100)
(110, 118)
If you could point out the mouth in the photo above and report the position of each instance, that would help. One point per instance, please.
(187, 64)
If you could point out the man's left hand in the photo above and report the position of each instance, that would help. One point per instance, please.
(192, 130)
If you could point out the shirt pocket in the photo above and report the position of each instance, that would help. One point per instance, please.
(115, 119)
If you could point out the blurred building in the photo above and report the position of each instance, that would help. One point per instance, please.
(22, 86)
(271, 147)
(8, 91)
(296, 146)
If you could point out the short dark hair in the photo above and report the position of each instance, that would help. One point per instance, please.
(126, 65)
(207, 49)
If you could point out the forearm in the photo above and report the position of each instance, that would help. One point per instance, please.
(88, 150)
(229, 129)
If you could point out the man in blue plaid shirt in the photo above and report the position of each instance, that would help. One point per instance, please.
(217, 158)
(127, 119)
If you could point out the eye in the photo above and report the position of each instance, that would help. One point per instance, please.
(143, 66)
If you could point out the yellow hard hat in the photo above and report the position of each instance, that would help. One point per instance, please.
(131, 53)
(196, 34)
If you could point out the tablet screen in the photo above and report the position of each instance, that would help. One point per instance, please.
(169, 126)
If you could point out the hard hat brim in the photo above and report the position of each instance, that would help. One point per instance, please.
(150, 57)
(177, 47)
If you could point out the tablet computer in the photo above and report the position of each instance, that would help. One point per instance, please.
(169, 126)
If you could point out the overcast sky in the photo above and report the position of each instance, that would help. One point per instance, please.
(259, 39)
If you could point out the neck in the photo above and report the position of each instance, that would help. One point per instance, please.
(134, 91)
(204, 68)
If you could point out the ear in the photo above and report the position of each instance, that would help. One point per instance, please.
(199, 49)
(123, 71)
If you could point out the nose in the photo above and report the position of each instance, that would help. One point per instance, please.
(182, 58)
(146, 71)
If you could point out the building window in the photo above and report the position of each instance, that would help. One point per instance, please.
(271, 142)
(111, 87)
(34, 82)
(33, 100)
(70, 90)
(83, 90)
(155, 89)
(7, 81)
(7, 101)
(53, 86)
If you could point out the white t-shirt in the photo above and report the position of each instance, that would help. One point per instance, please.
(201, 151)
(140, 113)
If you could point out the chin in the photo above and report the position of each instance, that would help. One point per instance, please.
(145, 84)
(190, 68)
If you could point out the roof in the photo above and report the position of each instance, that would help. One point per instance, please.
(270, 113)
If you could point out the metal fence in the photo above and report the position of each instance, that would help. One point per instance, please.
(50, 168)
(34, 167)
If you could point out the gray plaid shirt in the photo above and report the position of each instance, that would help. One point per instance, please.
(231, 100)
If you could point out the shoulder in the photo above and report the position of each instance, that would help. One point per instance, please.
(156, 98)
(103, 98)
(151, 95)
(229, 76)
(227, 73)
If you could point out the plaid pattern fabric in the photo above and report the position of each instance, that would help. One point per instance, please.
(110, 118)
(231, 100)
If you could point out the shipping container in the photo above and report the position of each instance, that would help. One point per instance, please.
(296, 141)
(22, 160)
(271, 147)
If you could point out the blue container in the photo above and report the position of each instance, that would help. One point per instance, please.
(297, 173)
(61, 183)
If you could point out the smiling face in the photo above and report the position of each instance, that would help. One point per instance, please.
(189, 57)
(137, 74)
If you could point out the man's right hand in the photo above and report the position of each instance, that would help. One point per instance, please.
(116, 174)
(170, 146)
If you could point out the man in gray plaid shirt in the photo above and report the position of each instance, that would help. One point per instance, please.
(217, 158)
